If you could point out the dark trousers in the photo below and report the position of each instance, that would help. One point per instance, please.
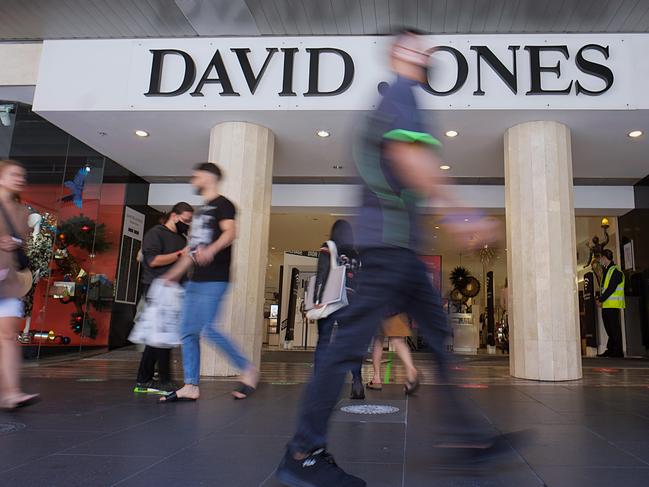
(151, 356)
(327, 332)
(613, 327)
(391, 278)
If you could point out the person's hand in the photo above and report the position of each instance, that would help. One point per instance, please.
(477, 233)
(169, 277)
(318, 306)
(599, 303)
(8, 244)
(185, 251)
(204, 255)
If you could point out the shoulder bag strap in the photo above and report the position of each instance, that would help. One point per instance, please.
(10, 224)
(333, 254)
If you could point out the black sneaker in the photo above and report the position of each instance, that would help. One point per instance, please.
(317, 470)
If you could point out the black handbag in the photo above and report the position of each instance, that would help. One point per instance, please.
(21, 256)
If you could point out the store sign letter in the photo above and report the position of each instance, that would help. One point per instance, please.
(215, 72)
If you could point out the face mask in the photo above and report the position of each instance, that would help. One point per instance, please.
(182, 228)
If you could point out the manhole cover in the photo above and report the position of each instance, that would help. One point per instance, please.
(370, 409)
(6, 428)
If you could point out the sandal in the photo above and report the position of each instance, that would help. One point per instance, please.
(173, 397)
(245, 390)
(28, 400)
(411, 387)
(374, 386)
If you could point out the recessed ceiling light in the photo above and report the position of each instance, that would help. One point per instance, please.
(466, 219)
(322, 133)
(272, 248)
(445, 167)
(634, 134)
(436, 227)
(451, 133)
(141, 133)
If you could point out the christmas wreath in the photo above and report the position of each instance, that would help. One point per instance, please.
(84, 233)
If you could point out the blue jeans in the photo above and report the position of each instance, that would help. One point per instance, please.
(200, 309)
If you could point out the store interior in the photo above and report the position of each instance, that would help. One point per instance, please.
(296, 237)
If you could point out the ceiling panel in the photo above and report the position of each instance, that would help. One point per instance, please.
(62, 19)
(220, 18)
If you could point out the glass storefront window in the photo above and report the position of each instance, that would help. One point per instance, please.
(76, 221)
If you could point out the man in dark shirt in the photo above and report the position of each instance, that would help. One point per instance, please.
(162, 247)
(212, 234)
(612, 302)
(398, 169)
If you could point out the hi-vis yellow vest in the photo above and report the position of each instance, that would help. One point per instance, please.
(615, 300)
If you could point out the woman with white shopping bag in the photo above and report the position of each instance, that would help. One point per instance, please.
(332, 288)
(162, 246)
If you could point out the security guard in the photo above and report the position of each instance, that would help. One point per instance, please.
(612, 301)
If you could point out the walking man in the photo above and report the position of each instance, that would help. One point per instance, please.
(398, 166)
(212, 234)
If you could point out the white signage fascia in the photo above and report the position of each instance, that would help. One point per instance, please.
(90, 75)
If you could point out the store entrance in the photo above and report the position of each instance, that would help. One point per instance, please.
(472, 283)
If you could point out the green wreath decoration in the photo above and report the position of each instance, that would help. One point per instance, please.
(83, 232)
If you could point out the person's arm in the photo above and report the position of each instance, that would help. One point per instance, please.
(167, 259)
(416, 165)
(615, 281)
(322, 273)
(205, 255)
(180, 269)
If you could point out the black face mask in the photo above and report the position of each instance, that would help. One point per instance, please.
(182, 228)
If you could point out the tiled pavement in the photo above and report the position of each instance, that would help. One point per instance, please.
(90, 430)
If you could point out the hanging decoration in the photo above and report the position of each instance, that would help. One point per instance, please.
(487, 254)
(76, 187)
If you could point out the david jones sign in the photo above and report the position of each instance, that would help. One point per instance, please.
(589, 59)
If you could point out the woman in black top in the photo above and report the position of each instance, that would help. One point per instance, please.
(162, 246)
(343, 237)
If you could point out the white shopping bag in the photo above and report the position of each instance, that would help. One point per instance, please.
(158, 325)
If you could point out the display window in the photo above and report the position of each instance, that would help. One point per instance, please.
(76, 210)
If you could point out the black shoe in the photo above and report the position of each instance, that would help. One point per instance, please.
(317, 470)
(607, 353)
(358, 391)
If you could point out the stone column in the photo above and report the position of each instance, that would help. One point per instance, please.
(245, 153)
(541, 256)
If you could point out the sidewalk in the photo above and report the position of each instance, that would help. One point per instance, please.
(90, 430)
